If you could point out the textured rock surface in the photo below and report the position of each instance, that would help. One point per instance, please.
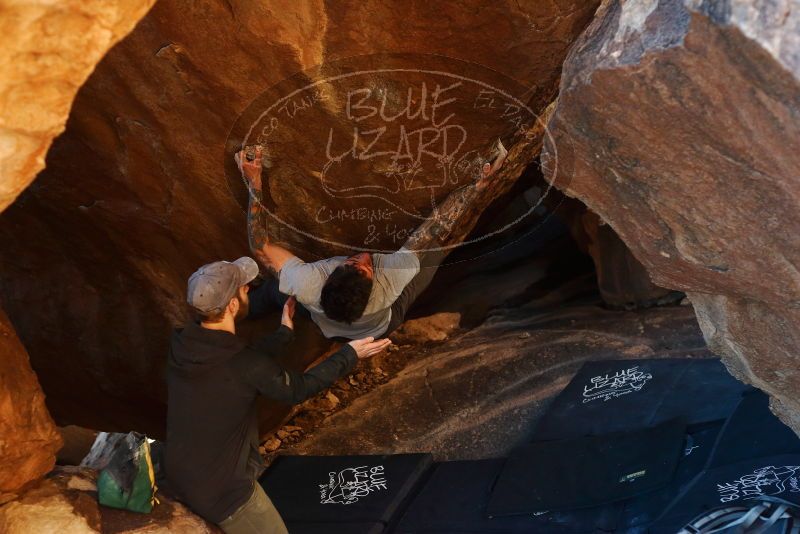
(437, 327)
(678, 124)
(66, 502)
(48, 51)
(622, 280)
(28, 438)
(135, 196)
(480, 394)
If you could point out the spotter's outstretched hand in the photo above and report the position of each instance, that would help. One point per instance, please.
(368, 347)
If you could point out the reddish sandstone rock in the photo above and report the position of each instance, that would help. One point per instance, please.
(677, 124)
(436, 327)
(136, 195)
(48, 51)
(66, 502)
(28, 438)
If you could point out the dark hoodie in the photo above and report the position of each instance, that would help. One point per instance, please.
(213, 380)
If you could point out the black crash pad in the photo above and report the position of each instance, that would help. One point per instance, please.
(620, 395)
(587, 472)
(455, 498)
(734, 485)
(343, 489)
(644, 509)
(753, 431)
(755, 454)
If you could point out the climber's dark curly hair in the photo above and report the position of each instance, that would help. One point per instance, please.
(345, 294)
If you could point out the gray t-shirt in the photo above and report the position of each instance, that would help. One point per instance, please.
(392, 273)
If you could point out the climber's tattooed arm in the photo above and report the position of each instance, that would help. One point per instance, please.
(257, 231)
(249, 162)
(271, 256)
(256, 222)
(434, 231)
(438, 227)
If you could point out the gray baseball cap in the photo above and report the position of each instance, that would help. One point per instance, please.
(213, 285)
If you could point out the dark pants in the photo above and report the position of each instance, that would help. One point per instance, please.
(257, 516)
(266, 297)
(429, 264)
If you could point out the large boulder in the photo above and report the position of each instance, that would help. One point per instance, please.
(48, 51)
(677, 123)
(140, 190)
(28, 438)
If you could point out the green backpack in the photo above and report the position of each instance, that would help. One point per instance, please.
(128, 481)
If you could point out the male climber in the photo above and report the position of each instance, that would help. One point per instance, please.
(213, 379)
(364, 295)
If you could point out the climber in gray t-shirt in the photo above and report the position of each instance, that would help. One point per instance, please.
(390, 274)
(364, 295)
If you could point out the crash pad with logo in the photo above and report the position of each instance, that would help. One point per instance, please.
(343, 489)
(620, 395)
